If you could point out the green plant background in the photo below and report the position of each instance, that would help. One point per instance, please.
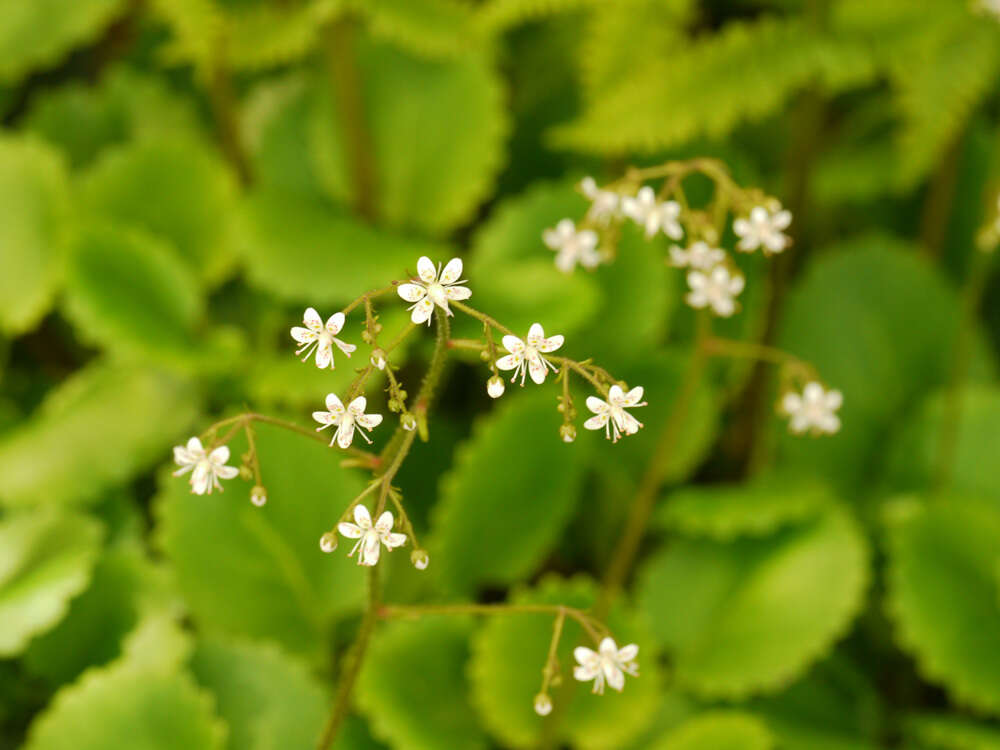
(180, 178)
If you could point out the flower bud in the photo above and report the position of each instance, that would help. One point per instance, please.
(246, 472)
(367, 337)
(495, 386)
(484, 355)
(543, 704)
(328, 542)
(378, 358)
(420, 559)
(258, 496)
(409, 422)
(568, 433)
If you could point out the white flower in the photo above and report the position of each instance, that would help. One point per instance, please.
(322, 337)
(208, 468)
(527, 355)
(611, 414)
(369, 536)
(377, 358)
(608, 663)
(571, 246)
(764, 229)
(716, 289)
(495, 386)
(346, 419)
(420, 559)
(653, 215)
(604, 204)
(543, 704)
(813, 410)
(437, 288)
(700, 256)
(258, 496)
(328, 542)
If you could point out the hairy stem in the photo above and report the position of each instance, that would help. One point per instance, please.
(591, 625)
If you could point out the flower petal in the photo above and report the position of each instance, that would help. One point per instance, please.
(362, 517)
(325, 418)
(510, 362)
(628, 653)
(422, 311)
(346, 348)
(312, 320)
(384, 523)
(194, 446)
(349, 530)
(584, 655)
(452, 272)
(394, 540)
(324, 354)
(357, 406)
(411, 292)
(426, 270)
(513, 344)
(537, 369)
(303, 335)
(369, 421)
(598, 406)
(457, 292)
(334, 323)
(551, 343)
(536, 334)
(227, 472)
(220, 455)
(334, 404)
(345, 434)
(596, 423)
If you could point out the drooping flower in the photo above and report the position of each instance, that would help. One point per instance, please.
(716, 289)
(420, 559)
(322, 337)
(370, 537)
(526, 356)
(435, 287)
(764, 228)
(258, 496)
(346, 419)
(611, 414)
(208, 468)
(608, 664)
(605, 205)
(652, 214)
(572, 246)
(814, 410)
(495, 386)
(543, 704)
(700, 256)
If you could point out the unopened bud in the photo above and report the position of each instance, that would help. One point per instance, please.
(420, 559)
(246, 472)
(378, 358)
(568, 433)
(495, 386)
(543, 704)
(484, 355)
(409, 422)
(328, 542)
(258, 496)
(367, 337)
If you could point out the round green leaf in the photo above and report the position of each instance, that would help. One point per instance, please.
(943, 595)
(259, 571)
(48, 559)
(34, 213)
(96, 430)
(436, 130)
(413, 686)
(517, 479)
(714, 730)
(269, 700)
(750, 615)
(435, 28)
(129, 292)
(509, 652)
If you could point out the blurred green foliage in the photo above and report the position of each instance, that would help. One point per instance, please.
(179, 179)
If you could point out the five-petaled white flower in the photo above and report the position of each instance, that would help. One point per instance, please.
(526, 356)
(322, 337)
(604, 204)
(370, 536)
(435, 287)
(608, 664)
(611, 414)
(764, 228)
(346, 419)
(813, 410)
(700, 256)
(652, 214)
(572, 246)
(208, 467)
(716, 289)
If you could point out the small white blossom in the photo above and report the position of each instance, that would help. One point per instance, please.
(608, 663)
(420, 559)
(700, 256)
(346, 419)
(377, 358)
(543, 704)
(435, 287)
(495, 386)
(369, 537)
(526, 356)
(328, 542)
(208, 468)
(258, 496)
(764, 228)
(572, 246)
(604, 204)
(322, 337)
(652, 214)
(568, 433)
(814, 410)
(716, 289)
(611, 414)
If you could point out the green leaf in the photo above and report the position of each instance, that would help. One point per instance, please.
(509, 652)
(39, 33)
(98, 429)
(175, 188)
(433, 28)
(260, 572)
(712, 730)
(758, 509)
(128, 707)
(942, 595)
(413, 686)
(515, 477)
(130, 293)
(751, 615)
(48, 559)
(436, 131)
(268, 699)
(952, 732)
(34, 214)
(498, 15)
(302, 250)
